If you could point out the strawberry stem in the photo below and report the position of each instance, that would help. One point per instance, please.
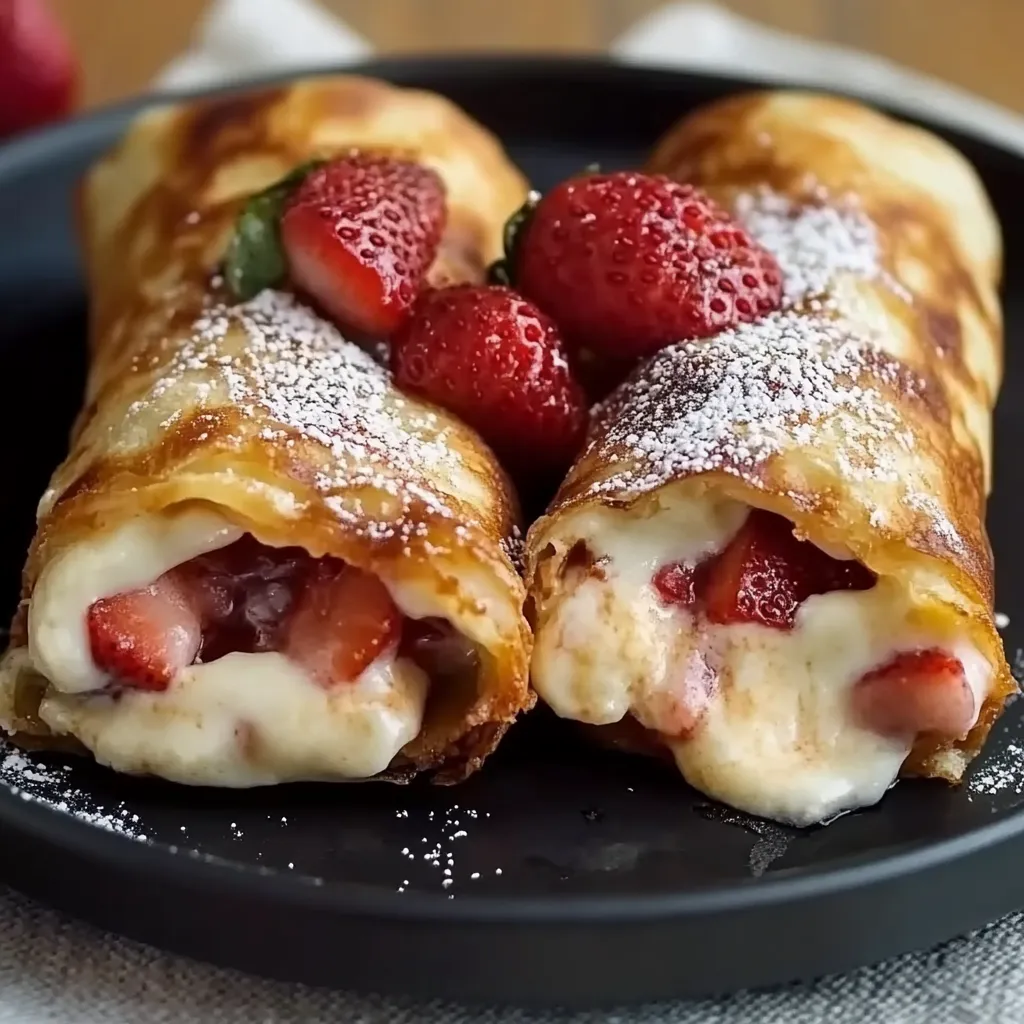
(502, 271)
(255, 256)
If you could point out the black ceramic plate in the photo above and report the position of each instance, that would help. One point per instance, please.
(559, 874)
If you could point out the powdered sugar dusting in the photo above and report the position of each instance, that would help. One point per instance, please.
(310, 378)
(302, 371)
(938, 521)
(1000, 773)
(514, 546)
(438, 848)
(47, 784)
(732, 402)
(814, 242)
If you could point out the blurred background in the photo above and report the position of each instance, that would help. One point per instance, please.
(60, 55)
(974, 43)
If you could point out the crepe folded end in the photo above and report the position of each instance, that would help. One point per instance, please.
(179, 161)
(207, 419)
(860, 412)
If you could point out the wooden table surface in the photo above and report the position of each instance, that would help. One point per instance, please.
(975, 43)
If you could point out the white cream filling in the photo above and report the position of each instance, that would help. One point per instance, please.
(243, 720)
(250, 720)
(612, 642)
(133, 555)
(777, 738)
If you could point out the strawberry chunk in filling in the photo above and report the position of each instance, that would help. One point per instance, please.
(916, 691)
(342, 622)
(147, 635)
(783, 680)
(763, 576)
(330, 618)
(766, 573)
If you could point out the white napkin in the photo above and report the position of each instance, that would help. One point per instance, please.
(240, 39)
(704, 37)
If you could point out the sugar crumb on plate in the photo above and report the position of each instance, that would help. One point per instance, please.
(1002, 771)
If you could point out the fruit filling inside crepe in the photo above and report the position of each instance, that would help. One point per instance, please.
(180, 635)
(790, 678)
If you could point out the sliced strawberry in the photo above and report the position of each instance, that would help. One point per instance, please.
(675, 584)
(766, 573)
(342, 621)
(915, 692)
(360, 234)
(142, 638)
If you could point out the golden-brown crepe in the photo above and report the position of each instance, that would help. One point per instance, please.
(861, 412)
(209, 424)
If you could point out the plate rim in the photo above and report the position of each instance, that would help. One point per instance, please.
(82, 839)
(29, 144)
(198, 870)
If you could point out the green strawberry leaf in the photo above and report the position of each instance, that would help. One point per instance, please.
(502, 271)
(255, 256)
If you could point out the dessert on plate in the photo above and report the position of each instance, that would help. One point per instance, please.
(770, 561)
(285, 542)
(260, 561)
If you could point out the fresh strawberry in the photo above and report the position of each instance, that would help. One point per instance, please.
(496, 361)
(38, 68)
(766, 573)
(627, 263)
(342, 621)
(675, 584)
(360, 234)
(917, 691)
(142, 638)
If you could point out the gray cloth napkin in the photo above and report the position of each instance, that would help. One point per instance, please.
(53, 969)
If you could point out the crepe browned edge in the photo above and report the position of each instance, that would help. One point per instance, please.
(936, 304)
(155, 216)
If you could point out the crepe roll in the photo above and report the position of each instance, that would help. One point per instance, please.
(770, 561)
(260, 562)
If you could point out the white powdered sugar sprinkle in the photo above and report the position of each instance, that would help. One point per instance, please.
(301, 370)
(514, 547)
(938, 521)
(737, 399)
(1000, 773)
(438, 848)
(814, 242)
(48, 784)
